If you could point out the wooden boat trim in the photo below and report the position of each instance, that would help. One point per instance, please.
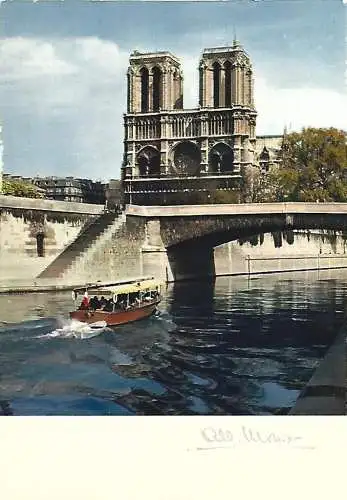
(115, 318)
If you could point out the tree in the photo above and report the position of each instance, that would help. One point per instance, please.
(21, 188)
(251, 179)
(261, 187)
(314, 165)
(224, 196)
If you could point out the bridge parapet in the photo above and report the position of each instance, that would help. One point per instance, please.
(236, 209)
(43, 205)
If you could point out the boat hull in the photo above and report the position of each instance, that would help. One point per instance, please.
(115, 318)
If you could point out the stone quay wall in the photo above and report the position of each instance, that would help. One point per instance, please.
(305, 251)
(143, 243)
(33, 232)
(282, 252)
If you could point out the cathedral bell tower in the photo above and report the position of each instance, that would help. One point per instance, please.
(155, 88)
(155, 83)
(226, 88)
(226, 78)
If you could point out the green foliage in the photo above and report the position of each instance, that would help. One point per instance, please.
(224, 196)
(21, 188)
(203, 197)
(314, 165)
(313, 168)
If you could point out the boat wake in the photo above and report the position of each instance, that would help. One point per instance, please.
(77, 330)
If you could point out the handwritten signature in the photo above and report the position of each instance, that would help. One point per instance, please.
(216, 438)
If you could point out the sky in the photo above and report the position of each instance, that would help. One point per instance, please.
(63, 71)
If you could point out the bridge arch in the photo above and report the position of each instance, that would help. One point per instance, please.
(218, 224)
(187, 235)
(190, 251)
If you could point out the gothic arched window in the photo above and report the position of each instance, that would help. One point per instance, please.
(216, 84)
(221, 158)
(148, 161)
(156, 89)
(144, 89)
(227, 69)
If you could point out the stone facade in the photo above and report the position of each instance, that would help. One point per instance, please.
(170, 150)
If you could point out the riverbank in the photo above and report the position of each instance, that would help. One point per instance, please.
(48, 285)
(42, 285)
(35, 286)
(325, 393)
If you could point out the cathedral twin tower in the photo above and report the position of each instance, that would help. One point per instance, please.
(155, 82)
(165, 141)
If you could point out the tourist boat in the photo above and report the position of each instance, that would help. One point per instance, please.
(116, 303)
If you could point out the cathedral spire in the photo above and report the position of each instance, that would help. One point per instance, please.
(236, 43)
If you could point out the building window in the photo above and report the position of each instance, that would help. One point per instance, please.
(156, 88)
(144, 89)
(216, 84)
(227, 69)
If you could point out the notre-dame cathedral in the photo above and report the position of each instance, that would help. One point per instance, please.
(175, 155)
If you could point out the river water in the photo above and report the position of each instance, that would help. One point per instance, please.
(238, 346)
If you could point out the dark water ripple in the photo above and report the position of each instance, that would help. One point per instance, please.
(239, 346)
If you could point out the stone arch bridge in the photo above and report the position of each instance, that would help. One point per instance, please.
(181, 239)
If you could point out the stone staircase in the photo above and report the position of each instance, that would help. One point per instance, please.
(98, 262)
(100, 229)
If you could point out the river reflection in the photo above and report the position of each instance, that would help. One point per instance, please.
(238, 346)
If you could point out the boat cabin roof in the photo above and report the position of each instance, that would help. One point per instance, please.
(125, 288)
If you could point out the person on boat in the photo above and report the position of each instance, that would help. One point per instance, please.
(108, 307)
(85, 302)
(103, 302)
(94, 303)
(121, 303)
